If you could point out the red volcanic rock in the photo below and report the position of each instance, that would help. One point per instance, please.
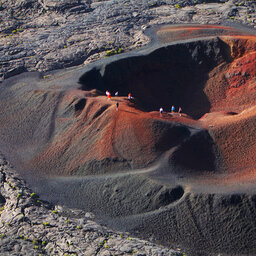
(232, 91)
(79, 131)
(97, 138)
(235, 137)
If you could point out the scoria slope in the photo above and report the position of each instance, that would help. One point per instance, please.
(159, 176)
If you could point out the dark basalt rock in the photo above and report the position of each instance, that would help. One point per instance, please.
(2, 200)
(73, 6)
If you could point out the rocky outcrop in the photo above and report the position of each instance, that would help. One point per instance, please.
(46, 35)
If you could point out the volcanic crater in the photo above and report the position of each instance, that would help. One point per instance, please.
(185, 179)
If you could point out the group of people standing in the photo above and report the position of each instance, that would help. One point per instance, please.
(161, 110)
(108, 94)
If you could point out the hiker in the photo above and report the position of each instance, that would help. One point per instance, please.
(129, 96)
(107, 93)
(109, 96)
(161, 111)
(116, 94)
(117, 105)
(172, 109)
(179, 111)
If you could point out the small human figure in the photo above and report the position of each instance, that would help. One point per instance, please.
(107, 93)
(117, 105)
(129, 96)
(179, 111)
(109, 96)
(116, 94)
(172, 109)
(161, 111)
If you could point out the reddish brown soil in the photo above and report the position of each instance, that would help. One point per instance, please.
(231, 90)
(88, 136)
(128, 136)
(233, 114)
(96, 138)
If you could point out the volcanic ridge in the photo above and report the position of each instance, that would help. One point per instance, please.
(165, 176)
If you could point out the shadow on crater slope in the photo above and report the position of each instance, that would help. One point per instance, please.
(171, 75)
